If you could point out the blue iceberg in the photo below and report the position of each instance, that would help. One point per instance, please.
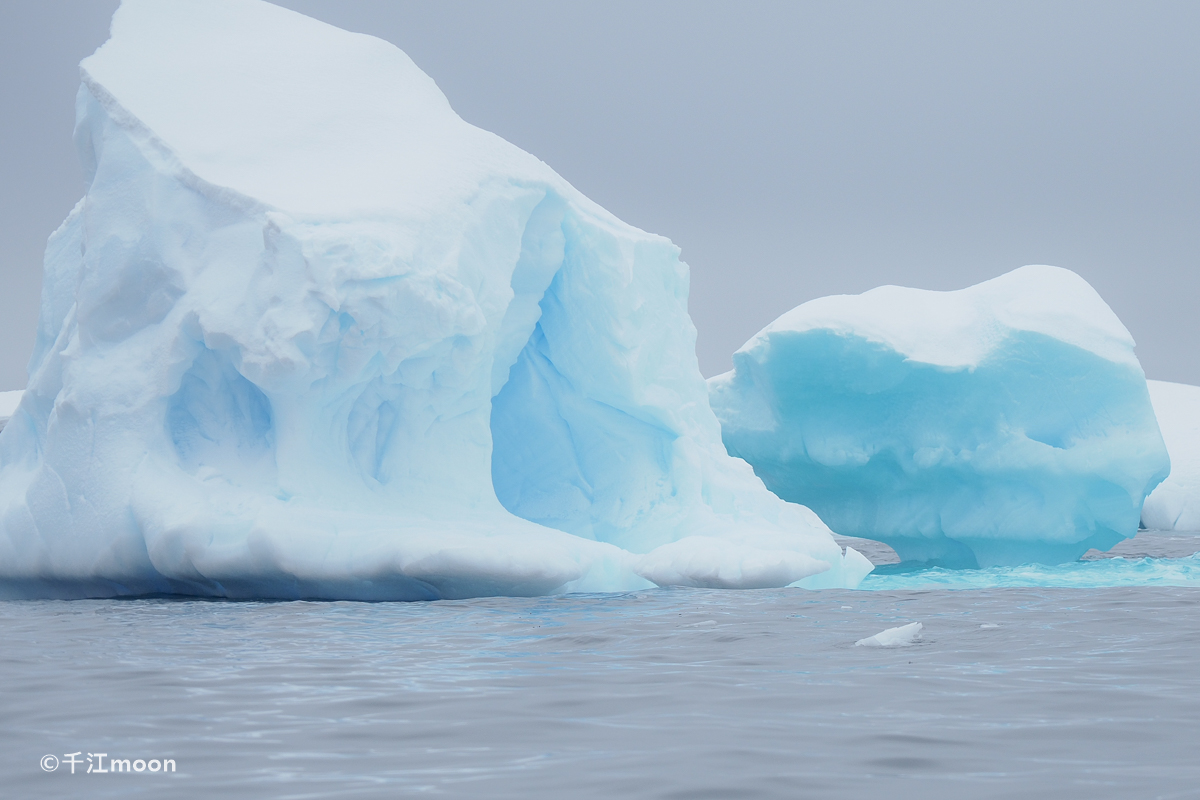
(998, 425)
(310, 334)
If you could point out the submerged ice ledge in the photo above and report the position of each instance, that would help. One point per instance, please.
(309, 334)
(1098, 574)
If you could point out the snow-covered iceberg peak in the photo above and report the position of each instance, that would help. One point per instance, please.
(1001, 424)
(311, 334)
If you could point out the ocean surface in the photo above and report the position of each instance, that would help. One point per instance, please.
(1080, 681)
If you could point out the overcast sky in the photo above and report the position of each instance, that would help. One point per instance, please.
(792, 150)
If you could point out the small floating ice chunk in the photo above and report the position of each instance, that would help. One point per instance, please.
(988, 626)
(893, 637)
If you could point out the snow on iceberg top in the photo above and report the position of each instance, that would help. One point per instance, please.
(959, 328)
(295, 114)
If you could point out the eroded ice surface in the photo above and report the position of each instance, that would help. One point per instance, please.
(1001, 424)
(1175, 504)
(309, 333)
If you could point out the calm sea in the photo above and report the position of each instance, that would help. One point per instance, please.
(1086, 689)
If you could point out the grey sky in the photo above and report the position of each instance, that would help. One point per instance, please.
(792, 150)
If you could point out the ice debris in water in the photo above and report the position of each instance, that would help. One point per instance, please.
(893, 637)
(310, 334)
(1175, 504)
(1002, 424)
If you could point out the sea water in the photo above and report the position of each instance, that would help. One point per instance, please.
(1086, 690)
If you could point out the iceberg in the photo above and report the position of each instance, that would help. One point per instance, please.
(1175, 504)
(1001, 424)
(310, 334)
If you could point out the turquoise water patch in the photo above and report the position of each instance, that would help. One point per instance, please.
(1102, 573)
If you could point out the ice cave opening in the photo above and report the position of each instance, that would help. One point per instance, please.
(563, 454)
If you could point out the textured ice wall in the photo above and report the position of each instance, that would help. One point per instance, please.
(1175, 504)
(299, 302)
(1001, 424)
(8, 404)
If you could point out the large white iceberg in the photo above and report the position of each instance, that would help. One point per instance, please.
(1001, 424)
(311, 334)
(1175, 504)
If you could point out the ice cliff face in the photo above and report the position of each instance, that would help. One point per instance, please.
(310, 334)
(8, 404)
(1175, 504)
(1002, 424)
